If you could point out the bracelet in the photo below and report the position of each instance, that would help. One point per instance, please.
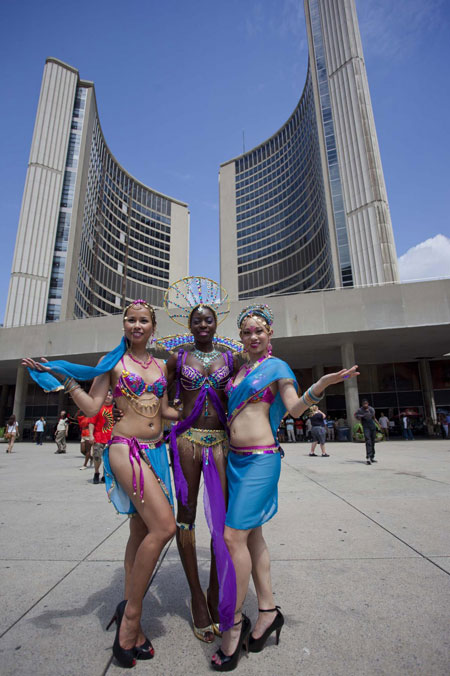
(309, 398)
(70, 384)
(77, 386)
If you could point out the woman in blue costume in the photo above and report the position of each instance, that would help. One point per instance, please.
(259, 396)
(136, 466)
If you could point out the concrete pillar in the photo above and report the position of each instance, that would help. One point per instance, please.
(317, 373)
(61, 402)
(3, 399)
(351, 386)
(20, 396)
(428, 394)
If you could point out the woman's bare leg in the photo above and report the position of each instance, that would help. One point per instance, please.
(138, 531)
(191, 464)
(237, 543)
(157, 516)
(261, 577)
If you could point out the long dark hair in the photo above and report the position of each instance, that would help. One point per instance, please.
(12, 419)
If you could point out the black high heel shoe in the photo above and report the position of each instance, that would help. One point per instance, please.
(126, 658)
(255, 645)
(230, 662)
(144, 651)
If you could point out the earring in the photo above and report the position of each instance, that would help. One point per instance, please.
(269, 349)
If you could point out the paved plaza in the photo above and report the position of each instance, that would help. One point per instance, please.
(360, 565)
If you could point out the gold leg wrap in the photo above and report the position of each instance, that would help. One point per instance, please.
(186, 533)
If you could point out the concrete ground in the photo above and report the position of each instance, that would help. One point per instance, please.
(360, 566)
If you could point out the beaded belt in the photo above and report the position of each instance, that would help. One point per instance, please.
(150, 443)
(205, 438)
(255, 450)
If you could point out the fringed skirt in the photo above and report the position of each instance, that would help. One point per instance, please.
(155, 456)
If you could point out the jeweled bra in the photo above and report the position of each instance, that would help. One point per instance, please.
(132, 386)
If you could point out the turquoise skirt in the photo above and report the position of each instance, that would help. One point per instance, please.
(158, 459)
(252, 489)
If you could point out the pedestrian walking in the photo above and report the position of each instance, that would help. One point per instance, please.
(100, 429)
(290, 429)
(61, 432)
(384, 424)
(12, 432)
(406, 428)
(329, 424)
(318, 431)
(366, 415)
(299, 429)
(39, 427)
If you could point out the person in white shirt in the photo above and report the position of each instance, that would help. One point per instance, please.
(384, 424)
(39, 427)
(62, 430)
(12, 432)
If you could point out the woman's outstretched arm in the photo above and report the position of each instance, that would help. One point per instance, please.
(90, 403)
(297, 405)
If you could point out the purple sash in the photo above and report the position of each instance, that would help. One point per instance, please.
(214, 503)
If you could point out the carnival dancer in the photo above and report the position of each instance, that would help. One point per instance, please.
(259, 396)
(200, 441)
(136, 465)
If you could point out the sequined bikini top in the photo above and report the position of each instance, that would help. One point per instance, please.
(191, 379)
(265, 395)
(133, 385)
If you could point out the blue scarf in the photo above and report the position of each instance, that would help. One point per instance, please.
(78, 371)
(266, 373)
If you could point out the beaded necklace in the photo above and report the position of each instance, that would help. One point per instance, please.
(136, 361)
(249, 368)
(206, 357)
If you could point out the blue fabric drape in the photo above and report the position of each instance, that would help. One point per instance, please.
(78, 371)
(266, 373)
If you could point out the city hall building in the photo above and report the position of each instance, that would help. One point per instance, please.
(90, 236)
(307, 209)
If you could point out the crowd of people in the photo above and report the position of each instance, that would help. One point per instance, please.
(224, 402)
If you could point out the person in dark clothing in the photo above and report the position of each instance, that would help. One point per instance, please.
(318, 431)
(366, 416)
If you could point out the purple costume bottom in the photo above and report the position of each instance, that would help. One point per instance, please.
(214, 503)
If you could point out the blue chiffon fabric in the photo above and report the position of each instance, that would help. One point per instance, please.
(252, 489)
(78, 371)
(119, 498)
(253, 479)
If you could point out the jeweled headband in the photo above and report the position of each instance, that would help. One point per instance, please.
(138, 304)
(191, 293)
(262, 311)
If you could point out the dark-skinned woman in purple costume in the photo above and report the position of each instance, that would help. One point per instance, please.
(199, 442)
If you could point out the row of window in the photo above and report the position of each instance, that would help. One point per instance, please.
(64, 217)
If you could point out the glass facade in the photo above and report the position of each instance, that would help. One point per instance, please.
(125, 238)
(330, 144)
(65, 208)
(283, 241)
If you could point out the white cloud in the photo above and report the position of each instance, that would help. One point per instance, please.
(426, 260)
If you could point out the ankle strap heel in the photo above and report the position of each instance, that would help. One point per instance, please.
(255, 645)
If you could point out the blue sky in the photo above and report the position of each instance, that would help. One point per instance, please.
(178, 83)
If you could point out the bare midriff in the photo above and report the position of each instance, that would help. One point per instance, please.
(252, 427)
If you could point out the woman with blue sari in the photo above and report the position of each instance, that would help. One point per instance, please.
(137, 471)
(258, 398)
